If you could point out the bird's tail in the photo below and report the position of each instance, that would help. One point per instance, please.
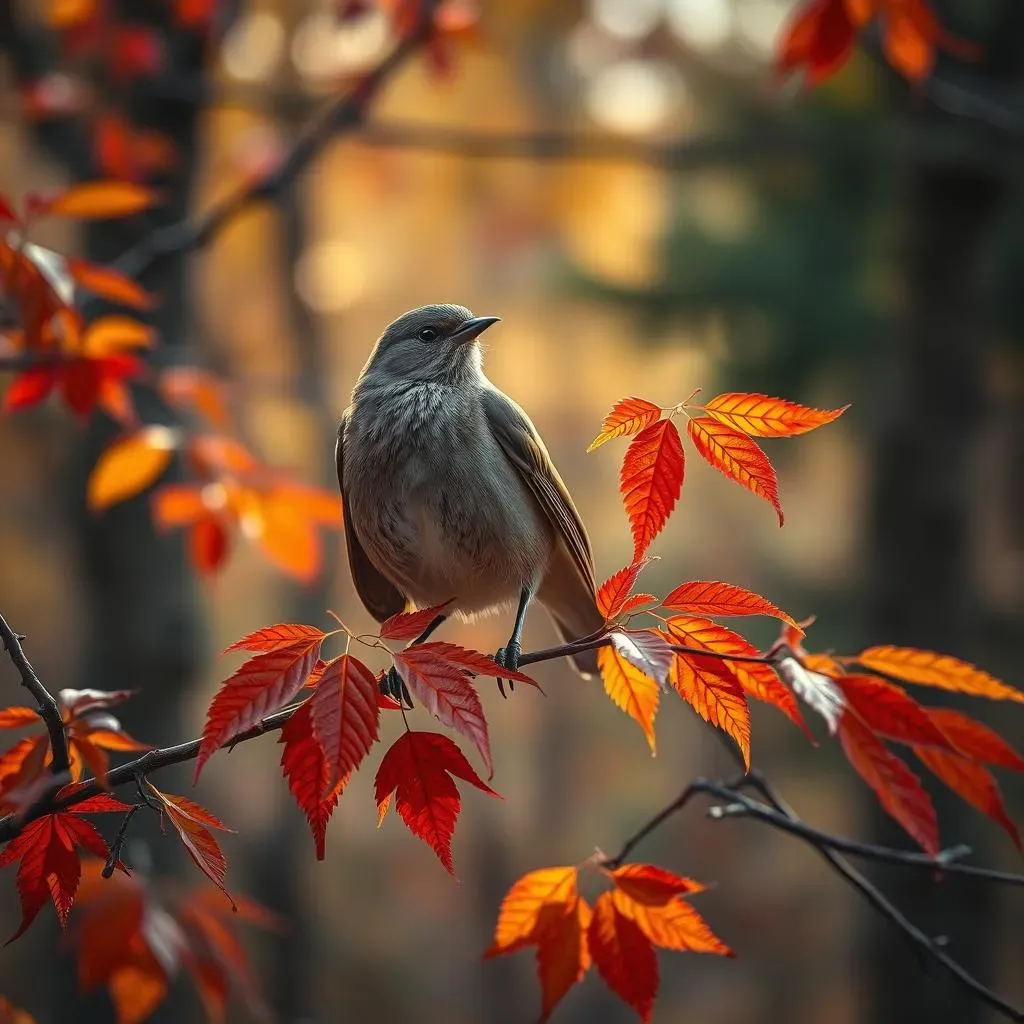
(574, 613)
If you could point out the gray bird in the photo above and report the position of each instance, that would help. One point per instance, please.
(449, 492)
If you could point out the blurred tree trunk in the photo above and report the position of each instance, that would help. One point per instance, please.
(922, 587)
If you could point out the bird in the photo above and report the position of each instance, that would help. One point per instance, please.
(449, 493)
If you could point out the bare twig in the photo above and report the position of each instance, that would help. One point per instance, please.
(118, 843)
(49, 709)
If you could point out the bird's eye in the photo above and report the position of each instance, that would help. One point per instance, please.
(427, 333)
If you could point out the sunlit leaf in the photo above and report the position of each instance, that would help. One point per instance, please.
(614, 592)
(531, 905)
(651, 885)
(888, 710)
(108, 284)
(762, 416)
(409, 625)
(112, 334)
(345, 716)
(709, 597)
(623, 956)
(674, 924)
(101, 200)
(129, 465)
(629, 416)
(974, 740)
(273, 638)
(650, 481)
(630, 689)
(926, 668)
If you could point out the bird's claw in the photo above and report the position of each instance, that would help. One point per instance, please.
(393, 685)
(508, 657)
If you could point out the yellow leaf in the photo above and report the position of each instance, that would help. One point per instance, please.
(630, 689)
(102, 199)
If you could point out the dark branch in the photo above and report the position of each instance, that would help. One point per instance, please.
(49, 709)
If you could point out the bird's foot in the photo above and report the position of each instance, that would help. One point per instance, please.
(393, 685)
(508, 657)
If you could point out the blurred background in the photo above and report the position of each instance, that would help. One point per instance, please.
(648, 210)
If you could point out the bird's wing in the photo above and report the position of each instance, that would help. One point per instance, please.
(379, 595)
(522, 445)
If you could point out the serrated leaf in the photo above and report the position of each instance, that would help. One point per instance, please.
(419, 769)
(628, 416)
(17, 717)
(898, 789)
(651, 885)
(345, 716)
(472, 661)
(274, 638)
(710, 597)
(536, 901)
(447, 694)
(888, 710)
(623, 956)
(645, 649)
(563, 956)
(261, 685)
(630, 689)
(927, 668)
(650, 481)
(974, 740)
(409, 625)
(737, 457)
(613, 594)
(674, 925)
(762, 416)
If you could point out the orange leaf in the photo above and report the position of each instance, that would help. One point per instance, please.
(909, 37)
(178, 505)
(709, 597)
(974, 740)
(650, 481)
(108, 284)
(192, 823)
(305, 768)
(888, 710)
(418, 769)
(409, 625)
(614, 592)
(623, 956)
(630, 689)
(651, 885)
(926, 668)
(186, 385)
(97, 200)
(345, 716)
(130, 465)
(537, 901)
(645, 649)
(113, 334)
(761, 416)
(972, 782)
(563, 956)
(261, 685)
(15, 718)
(898, 789)
(673, 924)
(286, 536)
(629, 416)
(710, 686)
(208, 545)
(739, 458)
(446, 693)
(636, 602)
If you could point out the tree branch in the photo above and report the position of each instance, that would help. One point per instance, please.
(49, 709)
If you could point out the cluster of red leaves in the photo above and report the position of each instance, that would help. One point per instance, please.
(329, 734)
(232, 491)
(135, 940)
(864, 701)
(455, 23)
(647, 907)
(90, 364)
(652, 470)
(821, 34)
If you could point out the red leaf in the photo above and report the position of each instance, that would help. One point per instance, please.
(898, 789)
(537, 901)
(48, 863)
(709, 597)
(820, 37)
(636, 602)
(418, 769)
(614, 592)
(623, 956)
(888, 710)
(345, 716)
(108, 284)
(262, 685)
(563, 956)
(973, 782)
(974, 740)
(761, 416)
(190, 821)
(409, 625)
(472, 661)
(629, 416)
(16, 718)
(273, 638)
(736, 456)
(446, 693)
(30, 387)
(651, 885)
(305, 768)
(650, 481)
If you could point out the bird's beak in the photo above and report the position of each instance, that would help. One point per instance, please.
(472, 329)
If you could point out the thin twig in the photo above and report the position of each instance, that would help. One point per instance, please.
(118, 843)
(49, 709)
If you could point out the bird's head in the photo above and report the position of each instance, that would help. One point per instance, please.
(432, 343)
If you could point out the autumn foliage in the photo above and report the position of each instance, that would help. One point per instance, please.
(322, 689)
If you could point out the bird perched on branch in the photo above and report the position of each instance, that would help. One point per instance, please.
(449, 491)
